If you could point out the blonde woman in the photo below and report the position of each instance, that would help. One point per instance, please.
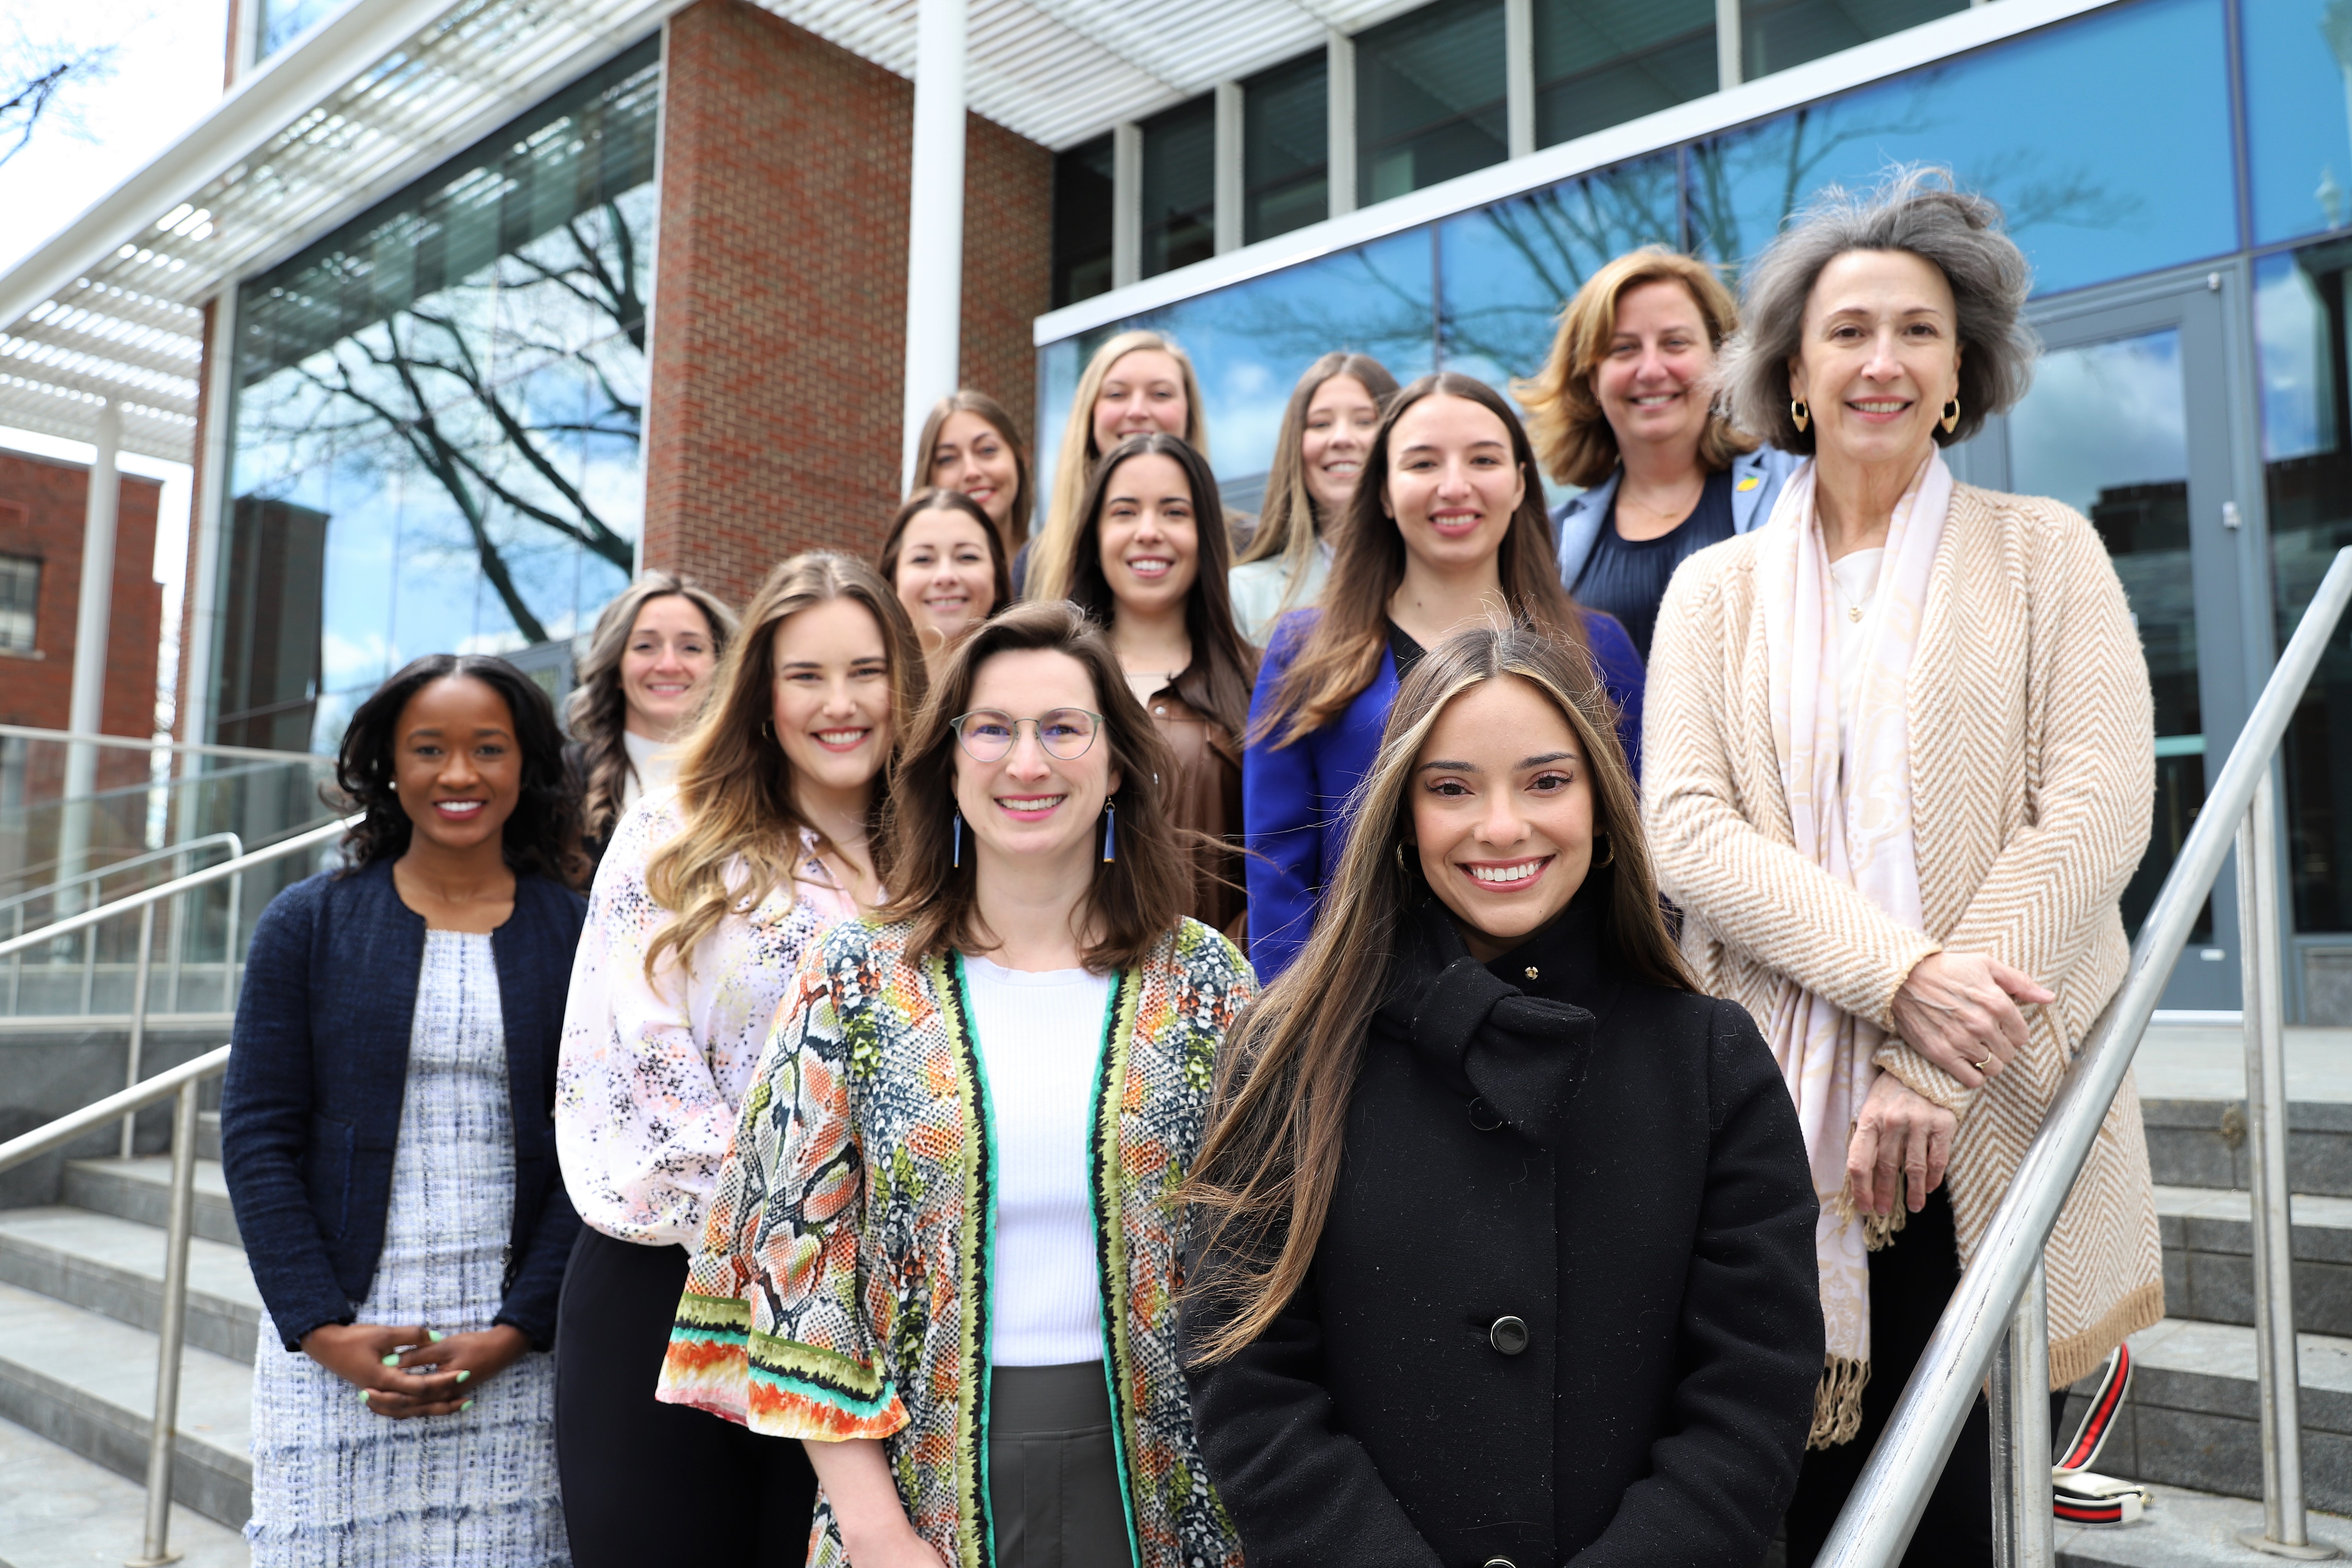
(1327, 432)
(1626, 408)
(707, 899)
(649, 664)
(1137, 382)
(971, 446)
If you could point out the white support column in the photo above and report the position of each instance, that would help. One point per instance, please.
(1726, 44)
(200, 629)
(1231, 189)
(1126, 204)
(1520, 75)
(1340, 76)
(935, 219)
(86, 707)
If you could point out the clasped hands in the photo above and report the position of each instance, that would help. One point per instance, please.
(376, 1359)
(1961, 1011)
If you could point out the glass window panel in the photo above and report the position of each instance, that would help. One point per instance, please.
(20, 603)
(1285, 148)
(438, 416)
(283, 21)
(2298, 56)
(2105, 141)
(1776, 33)
(1082, 222)
(1602, 62)
(2300, 310)
(1180, 186)
(1428, 97)
(1251, 342)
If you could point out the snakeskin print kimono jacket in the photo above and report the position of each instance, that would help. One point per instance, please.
(843, 1286)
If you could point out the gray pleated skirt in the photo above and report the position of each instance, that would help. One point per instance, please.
(1052, 1472)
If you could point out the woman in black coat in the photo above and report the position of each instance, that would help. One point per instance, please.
(1504, 1236)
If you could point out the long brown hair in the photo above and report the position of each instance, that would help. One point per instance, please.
(1074, 465)
(1277, 1127)
(1135, 900)
(598, 711)
(964, 400)
(1342, 653)
(734, 781)
(1224, 666)
(1288, 527)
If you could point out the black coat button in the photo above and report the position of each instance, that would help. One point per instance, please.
(1498, 1563)
(1483, 1116)
(1508, 1335)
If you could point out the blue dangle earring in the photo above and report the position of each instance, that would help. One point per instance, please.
(957, 856)
(1110, 814)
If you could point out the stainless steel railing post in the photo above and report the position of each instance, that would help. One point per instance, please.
(171, 1332)
(2284, 1530)
(138, 1021)
(2019, 1393)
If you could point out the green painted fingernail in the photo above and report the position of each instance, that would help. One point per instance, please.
(435, 1335)
(467, 1406)
(392, 1360)
(464, 1376)
(363, 1397)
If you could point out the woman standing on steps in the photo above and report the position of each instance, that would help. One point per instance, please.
(706, 904)
(388, 1137)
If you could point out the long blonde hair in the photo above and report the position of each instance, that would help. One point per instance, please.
(734, 781)
(1278, 1128)
(1288, 527)
(597, 712)
(1074, 465)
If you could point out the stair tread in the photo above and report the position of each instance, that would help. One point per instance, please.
(214, 1269)
(2200, 1062)
(113, 1363)
(2235, 1204)
(58, 1508)
(2227, 1350)
(156, 1169)
(2183, 1529)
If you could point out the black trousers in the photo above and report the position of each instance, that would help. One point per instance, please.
(646, 1482)
(1910, 1284)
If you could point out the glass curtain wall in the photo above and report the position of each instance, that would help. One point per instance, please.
(437, 419)
(1180, 186)
(1430, 87)
(1602, 62)
(1082, 221)
(283, 21)
(1776, 33)
(1285, 148)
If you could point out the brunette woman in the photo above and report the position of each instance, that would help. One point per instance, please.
(1446, 528)
(387, 1133)
(945, 561)
(941, 1255)
(1150, 566)
(1325, 431)
(708, 901)
(1136, 382)
(649, 664)
(971, 445)
(1507, 1234)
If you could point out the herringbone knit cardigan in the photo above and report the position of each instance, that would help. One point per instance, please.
(2033, 766)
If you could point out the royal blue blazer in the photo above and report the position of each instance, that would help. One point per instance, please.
(319, 1064)
(1293, 799)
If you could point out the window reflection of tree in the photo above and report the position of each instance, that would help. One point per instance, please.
(1373, 301)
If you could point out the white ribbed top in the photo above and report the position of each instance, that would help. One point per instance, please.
(1041, 1038)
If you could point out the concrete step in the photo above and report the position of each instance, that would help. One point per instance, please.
(2193, 1086)
(2209, 1266)
(88, 1384)
(2184, 1529)
(140, 1190)
(115, 1268)
(59, 1511)
(208, 1135)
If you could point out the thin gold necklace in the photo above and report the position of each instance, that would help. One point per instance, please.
(1853, 610)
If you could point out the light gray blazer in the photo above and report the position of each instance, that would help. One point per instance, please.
(1756, 480)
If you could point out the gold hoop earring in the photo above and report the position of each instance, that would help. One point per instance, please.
(1951, 419)
(1800, 414)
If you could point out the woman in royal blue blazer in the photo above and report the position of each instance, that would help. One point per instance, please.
(1447, 527)
(388, 1134)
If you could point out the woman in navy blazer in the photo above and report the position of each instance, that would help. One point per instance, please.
(1447, 526)
(387, 1132)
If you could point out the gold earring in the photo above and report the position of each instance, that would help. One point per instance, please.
(1951, 419)
(1800, 413)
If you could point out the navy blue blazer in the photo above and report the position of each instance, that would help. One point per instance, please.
(1293, 799)
(310, 1111)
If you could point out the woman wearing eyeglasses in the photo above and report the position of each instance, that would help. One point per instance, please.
(940, 1254)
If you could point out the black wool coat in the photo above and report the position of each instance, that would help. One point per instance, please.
(1565, 1303)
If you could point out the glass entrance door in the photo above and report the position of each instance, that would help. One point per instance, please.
(2125, 423)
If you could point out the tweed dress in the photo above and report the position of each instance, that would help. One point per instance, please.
(334, 1484)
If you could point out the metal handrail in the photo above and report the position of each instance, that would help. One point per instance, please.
(181, 1083)
(177, 748)
(185, 846)
(1884, 1505)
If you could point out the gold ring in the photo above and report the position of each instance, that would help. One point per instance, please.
(1984, 1064)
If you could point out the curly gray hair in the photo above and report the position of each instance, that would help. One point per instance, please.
(1915, 209)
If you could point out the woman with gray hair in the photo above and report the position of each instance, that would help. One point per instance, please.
(1901, 765)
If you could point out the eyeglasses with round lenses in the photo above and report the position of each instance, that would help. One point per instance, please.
(986, 734)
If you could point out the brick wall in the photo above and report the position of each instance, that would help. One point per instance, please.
(42, 503)
(780, 309)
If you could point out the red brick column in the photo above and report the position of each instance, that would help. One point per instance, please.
(779, 298)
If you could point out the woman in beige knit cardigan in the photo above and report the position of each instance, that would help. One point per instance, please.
(1900, 769)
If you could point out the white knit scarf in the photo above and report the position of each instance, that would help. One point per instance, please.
(1851, 810)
